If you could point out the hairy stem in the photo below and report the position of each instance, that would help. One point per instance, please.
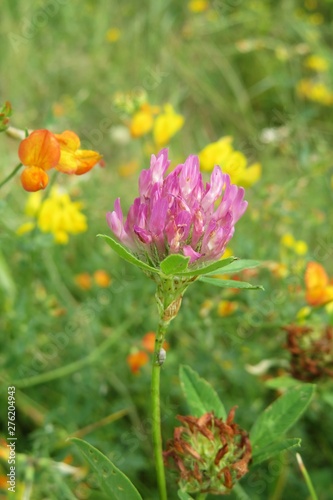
(156, 410)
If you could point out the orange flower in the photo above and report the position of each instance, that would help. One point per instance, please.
(136, 360)
(38, 152)
(72, 159)
(319, 289)
(83, 280)
(102, 278)
(148, 342)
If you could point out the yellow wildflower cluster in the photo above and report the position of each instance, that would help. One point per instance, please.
(164, 123)
(57, 214)
(297, 246)
(316, 63)
(315, 89)
(232, 162)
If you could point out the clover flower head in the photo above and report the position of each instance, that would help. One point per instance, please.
(178, 214)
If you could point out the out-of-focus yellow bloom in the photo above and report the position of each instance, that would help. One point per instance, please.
(315, 91)
(167, 125)
(58, 215)
(102, 278)
(61, 216)
(113, 35)
(298, 246)
(128, 169)
(303, 314)
(141, 123)
(316, 63)
(25, 228)
(226, 307)
(33, 204)
(83, 280)
(227, 253)
(198, 5)
(288, 240)
(232, 162)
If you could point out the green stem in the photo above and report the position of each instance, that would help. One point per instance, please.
(76, 365)
(156, 410)
(307, 478)
(16, 169)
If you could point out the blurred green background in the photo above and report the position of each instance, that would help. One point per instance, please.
(229, 68)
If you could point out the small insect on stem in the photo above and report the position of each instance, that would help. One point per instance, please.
(161, 356)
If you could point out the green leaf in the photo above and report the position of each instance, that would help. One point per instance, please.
(280, 415)
(263, 454)
(114, 482)
(174, 264)
(284, 382)
(328, 398)
(200, 395)
(230, 283)
(211, 268)
(239, 265)
(183, 495)
(125, 254)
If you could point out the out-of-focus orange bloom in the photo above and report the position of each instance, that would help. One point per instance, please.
(226, 308)
(72, 159)
(38, 152)
(83, 280)
(102, 278)
(136, 360)
(148, 342)
(319, 288)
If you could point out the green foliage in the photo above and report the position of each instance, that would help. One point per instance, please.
(115, 484)
(280, 416)
(201, 397)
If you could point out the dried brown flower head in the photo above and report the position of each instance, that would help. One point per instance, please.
(211, 455)
(311, 350)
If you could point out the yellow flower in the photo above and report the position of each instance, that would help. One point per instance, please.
(288, 240)
(113, 35)
(316, 63)
(300, 247)
(61, 216)
(128, 169)
(215, 153)
(315, 91)
(141, 123)
(232, 162)
(198, 5)
(33, 203)
(167, 125)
